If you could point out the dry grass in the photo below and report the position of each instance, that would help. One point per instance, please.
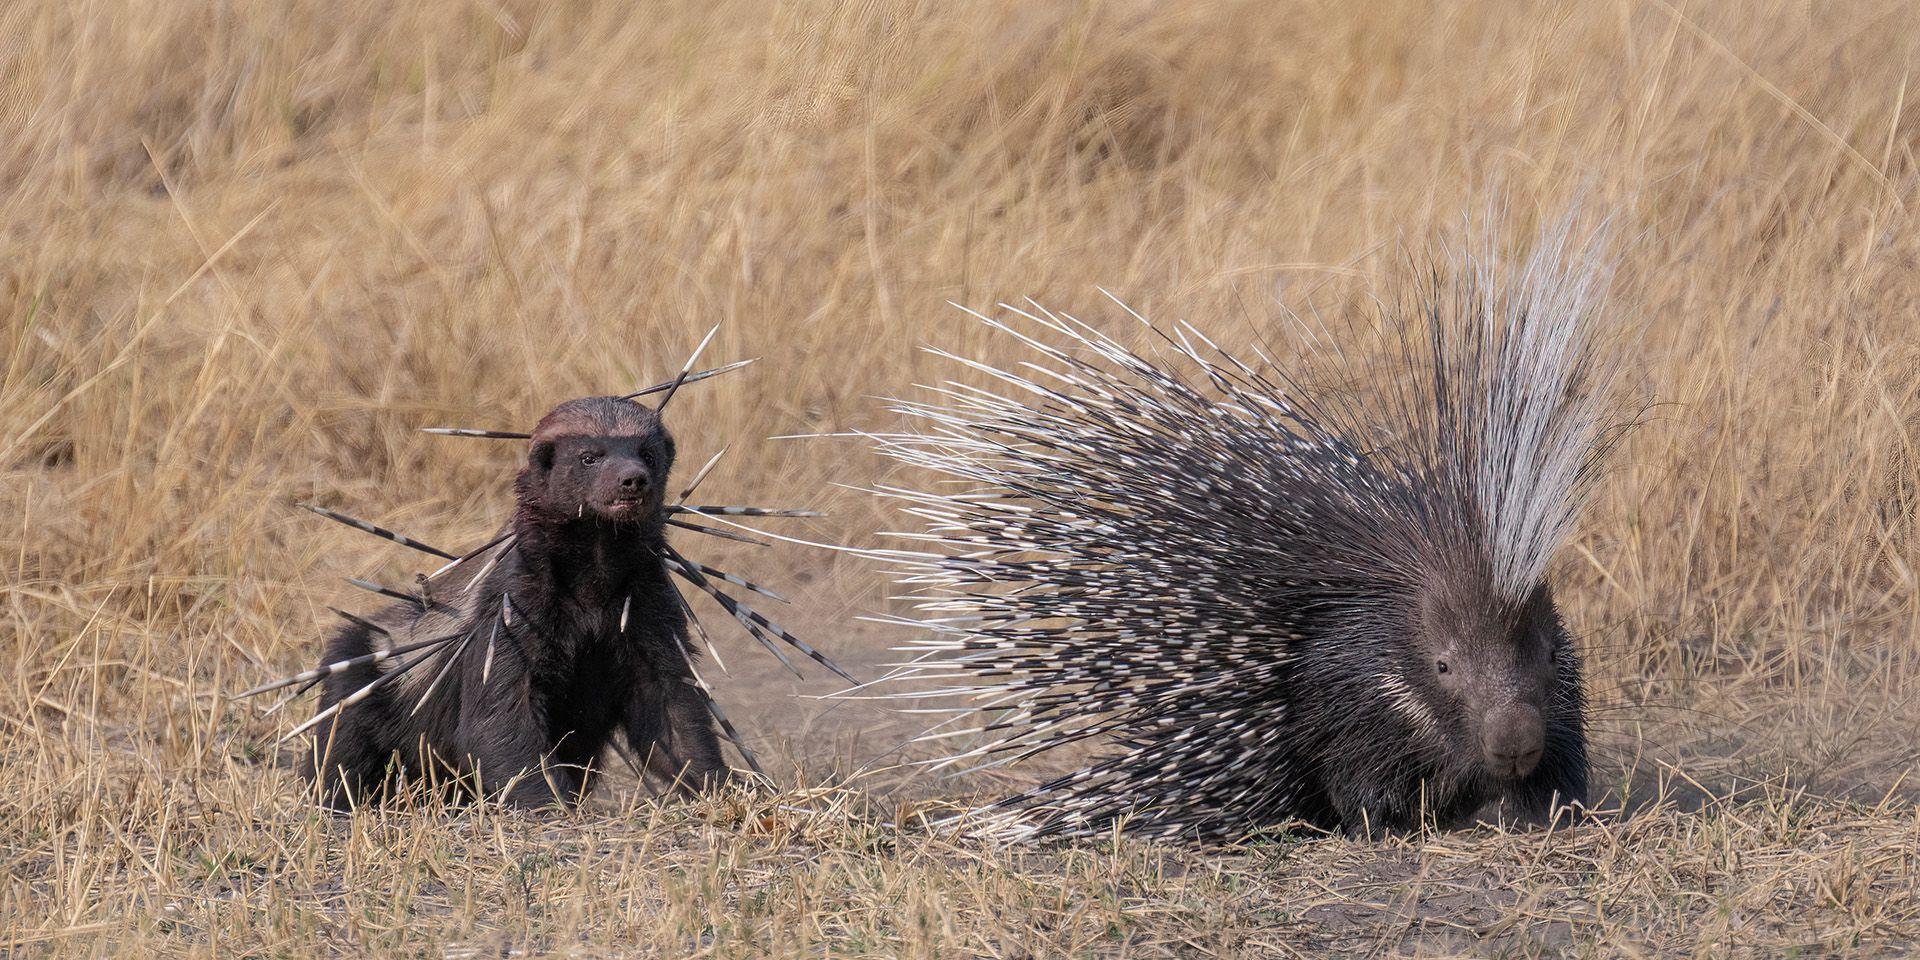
(249, 245)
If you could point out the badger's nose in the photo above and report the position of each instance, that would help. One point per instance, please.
(1512, 740)
(633, 479)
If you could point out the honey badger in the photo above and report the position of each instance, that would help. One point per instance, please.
(519, 663)
(570, 633)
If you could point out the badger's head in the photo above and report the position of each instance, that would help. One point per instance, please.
(600, 458)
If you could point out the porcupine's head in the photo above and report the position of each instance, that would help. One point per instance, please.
(600, 458)
(1483, 671)
(1494, 446)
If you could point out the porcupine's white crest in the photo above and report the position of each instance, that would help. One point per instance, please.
(1539, 396)
(1135, 545)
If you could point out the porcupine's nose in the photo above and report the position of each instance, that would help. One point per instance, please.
(1511, 740)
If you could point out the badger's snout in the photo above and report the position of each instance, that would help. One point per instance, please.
(1511, 739)
(632, 479)
(625, 490)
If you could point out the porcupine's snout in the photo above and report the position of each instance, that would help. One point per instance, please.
(1511, 739)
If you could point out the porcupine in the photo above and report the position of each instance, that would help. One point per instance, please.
(1274, 601)
(520, 661)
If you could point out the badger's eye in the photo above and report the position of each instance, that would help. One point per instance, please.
(588, 459)
(1440, 666)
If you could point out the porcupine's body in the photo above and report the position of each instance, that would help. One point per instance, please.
(1272, 602)
(568, 633)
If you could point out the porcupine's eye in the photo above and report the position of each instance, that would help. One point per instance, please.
(1439, 666)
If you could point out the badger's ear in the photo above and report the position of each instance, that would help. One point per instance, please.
(668, 448)
(540, 457)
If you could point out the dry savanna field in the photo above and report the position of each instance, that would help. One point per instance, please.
(251, 245)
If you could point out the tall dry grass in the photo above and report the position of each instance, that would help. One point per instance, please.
(249, 246)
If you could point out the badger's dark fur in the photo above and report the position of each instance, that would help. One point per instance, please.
(565, 634)
(1275, 600)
